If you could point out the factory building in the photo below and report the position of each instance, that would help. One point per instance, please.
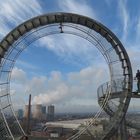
(44, 109)
(37, 113)
(44, 113)
(50, 115)
(26, 111)
(20, 113)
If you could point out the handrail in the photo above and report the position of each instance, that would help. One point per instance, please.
(116, 94)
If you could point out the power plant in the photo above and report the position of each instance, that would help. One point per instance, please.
(44, 116)
(50, 116)
(39, 112)
(26, 111)
(19, 113)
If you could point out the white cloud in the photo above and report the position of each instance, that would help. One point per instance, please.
(124, 16)
(89, 75)
(72, 49)
(52, 96)
(37, 84)
(76, 86)
(26, 65)
(78, 7)
(138, 29)
(134, 55)
(14, 13)
(18, 75)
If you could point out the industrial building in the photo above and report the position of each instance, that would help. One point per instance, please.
(20, 113)
(26, 111)
(50, 115)
(37, 113)
(44, 113)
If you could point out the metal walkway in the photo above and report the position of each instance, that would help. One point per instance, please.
(111, 105)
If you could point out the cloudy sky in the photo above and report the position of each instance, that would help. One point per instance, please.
(53, 69)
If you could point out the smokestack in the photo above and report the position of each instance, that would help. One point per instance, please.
(29, 115)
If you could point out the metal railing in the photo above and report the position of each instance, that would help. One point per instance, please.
(118, 89)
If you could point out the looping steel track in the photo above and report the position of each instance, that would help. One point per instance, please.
(96, 33)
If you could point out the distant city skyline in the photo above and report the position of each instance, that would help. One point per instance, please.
(65, 70)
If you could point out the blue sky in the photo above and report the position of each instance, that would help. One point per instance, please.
(53, 68)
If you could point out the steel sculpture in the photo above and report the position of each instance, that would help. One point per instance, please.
(55, 23)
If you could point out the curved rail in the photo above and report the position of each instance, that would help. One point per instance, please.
(117, 92)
